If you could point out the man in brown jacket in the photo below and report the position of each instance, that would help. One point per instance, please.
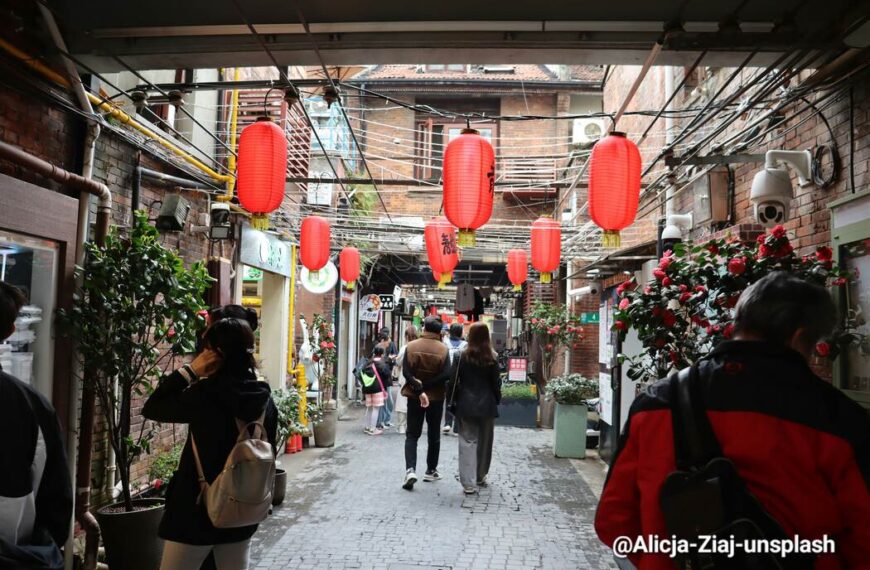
(426, 368)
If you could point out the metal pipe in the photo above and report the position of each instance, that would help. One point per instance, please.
(650, 59)
(669, 130)
(176, 180)
(231, 160)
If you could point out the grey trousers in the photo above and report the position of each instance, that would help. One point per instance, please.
(178, 556)
(475, 449)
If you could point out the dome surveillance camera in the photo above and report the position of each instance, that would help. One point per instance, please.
(772, 192)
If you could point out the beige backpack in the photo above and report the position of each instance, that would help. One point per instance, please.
(241, 494)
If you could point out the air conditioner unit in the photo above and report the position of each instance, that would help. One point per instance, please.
(319, 193)
(587, 131)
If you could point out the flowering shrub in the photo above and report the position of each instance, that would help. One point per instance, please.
(324, 353)
(555, 330)
(571, 389)
(689, 307)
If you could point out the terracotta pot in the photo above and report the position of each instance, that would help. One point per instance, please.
(130, 538)
(324, 432)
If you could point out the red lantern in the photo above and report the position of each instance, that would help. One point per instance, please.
(614, 185)
(348, 264)
(262, 170)
(518, 268)
(546, 246)
(314, 243)
(469, 183)
(441, 247)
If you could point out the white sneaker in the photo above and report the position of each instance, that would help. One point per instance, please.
(445, 429)
(410, 479)
(377, 432)
(469, 490)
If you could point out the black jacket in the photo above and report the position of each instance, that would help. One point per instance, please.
(383, 371)
(210, 407)
(23, 412)
(478, 388)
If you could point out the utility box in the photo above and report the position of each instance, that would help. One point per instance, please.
(712, 197)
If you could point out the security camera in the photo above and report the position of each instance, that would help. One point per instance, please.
(772, 193)
(594, 288)
(219, 226)
(672, 233)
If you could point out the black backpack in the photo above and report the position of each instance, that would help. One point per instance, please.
(707, 496)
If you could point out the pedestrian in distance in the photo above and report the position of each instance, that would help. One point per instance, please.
(219, 397)
(455, 344)
(35, 488)
(786, 448)
(426, 367)
(385, 414)
(399, 382)
(376, 380)
(474, 393)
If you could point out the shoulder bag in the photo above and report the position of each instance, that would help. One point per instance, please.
(451, 404)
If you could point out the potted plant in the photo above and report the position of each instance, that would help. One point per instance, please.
(570, 392)
(137, 309)
(519, 405)
(555, 330)
(325, 355)
(162, 468)
(287, 402)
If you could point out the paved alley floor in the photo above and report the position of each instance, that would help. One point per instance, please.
(345, 508)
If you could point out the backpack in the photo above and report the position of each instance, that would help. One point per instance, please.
(241, 494)
(707, 496)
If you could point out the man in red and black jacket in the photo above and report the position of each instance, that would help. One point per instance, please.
(801, 446)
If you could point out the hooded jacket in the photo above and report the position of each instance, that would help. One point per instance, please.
(210, 408)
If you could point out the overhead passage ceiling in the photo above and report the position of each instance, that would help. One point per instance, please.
(163, 34)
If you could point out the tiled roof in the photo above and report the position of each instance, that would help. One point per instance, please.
(474, 72)
(586, 72)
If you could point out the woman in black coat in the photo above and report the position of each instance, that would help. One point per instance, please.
(475, 387)
(219, 386)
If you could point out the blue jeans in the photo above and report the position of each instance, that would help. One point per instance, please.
(385, 414)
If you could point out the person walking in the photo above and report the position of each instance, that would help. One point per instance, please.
(385, 413)
(800, 445)
(35, 489)
(401, 400)
(425, 367)
(212, 394)
(475, 391)
(455, 344)
(375, 379)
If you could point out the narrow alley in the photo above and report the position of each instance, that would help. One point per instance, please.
(345, 508)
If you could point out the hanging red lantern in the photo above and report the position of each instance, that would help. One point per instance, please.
(348, 266)
(517, 268)
(441, 247)
(469, 183)
(436, 276)
(262, 169)
(314, 243)
(614, 185)
(546, 246)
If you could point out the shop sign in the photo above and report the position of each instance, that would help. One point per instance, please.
(386, 302)
(517, 369)
(370, 308)
(265, 251)
(252, 274)
(593, 318)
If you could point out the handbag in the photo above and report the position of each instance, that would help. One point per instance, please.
(451, 404)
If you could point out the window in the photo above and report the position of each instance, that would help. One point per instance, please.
(431, 139)
(441, 67)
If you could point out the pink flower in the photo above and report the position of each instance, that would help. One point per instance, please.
(823, 349)
(665, 262)
(171, 332)
(737, 266)
(685, 297)
(666, 282)
(778, 231)
(700, 289)
(534, 321)
(684, 287)
(557, 328)
(330, 345)
(647, 290)
(659, 274)
(839, 281)
(324, 344)
(623, 305)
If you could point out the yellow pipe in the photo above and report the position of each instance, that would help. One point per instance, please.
(231, 161)
(292, 311)
(117, 114)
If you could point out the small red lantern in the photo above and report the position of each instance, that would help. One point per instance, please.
(614, 185)
(546, 246)
(262, 170)
(314, 243)
(517, 268)
(469, 183)
(348, 264)
(441, 247)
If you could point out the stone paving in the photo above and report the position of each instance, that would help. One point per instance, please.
(345, 508)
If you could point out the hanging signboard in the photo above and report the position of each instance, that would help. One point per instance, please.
(517, 369)
(370, 308)
(592, 318)
(264, 251)
(386, 302)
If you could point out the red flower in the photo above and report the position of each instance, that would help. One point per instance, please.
(171, 332)
(764, 251)
(666, 282)
(731, 301)
(627, 285)
(728, 331)
(669, 318)
(665, 262)
(778, 231)
(647, 290)
(737, 266)
(623, 305)
(824, 253)
(675, 358)
(659, 274)
(330, 345)
(660, 343)
(784, 250)
(700, 289)
(733, 368)
(549, 347)
(712, 248)
(684, 287)
(534, 321)
(685, 297)
(839, 281)
(761, 238)
(157, 483)
(823, 349)
(324, 344)
(316, 358)
(620, 326)
(656, 311)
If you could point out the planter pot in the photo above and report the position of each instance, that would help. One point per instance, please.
(518, 412)
(280, 490)
(569, 434)
(131, 539)
(548, 410)
(324, 432)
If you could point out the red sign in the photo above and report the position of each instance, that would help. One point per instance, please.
(517, 368)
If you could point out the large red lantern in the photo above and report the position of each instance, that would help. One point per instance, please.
(517, 268)
(348, 266)
(441, 247)
(614, 185)
(546, 246)
(469, 183)
(314, 243)
(262, 170)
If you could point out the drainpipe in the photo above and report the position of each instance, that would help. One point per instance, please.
(669, 134)
(231, 159)
(86, 422)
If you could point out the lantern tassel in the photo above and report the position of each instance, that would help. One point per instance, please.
(444, 280)
(546, 277)
(610, 238)
(314, 275)
(518, 288)
(349, 285)
(260, 222)
(467, 238)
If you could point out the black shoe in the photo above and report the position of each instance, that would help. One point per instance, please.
(431, 475)
(410, 479)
